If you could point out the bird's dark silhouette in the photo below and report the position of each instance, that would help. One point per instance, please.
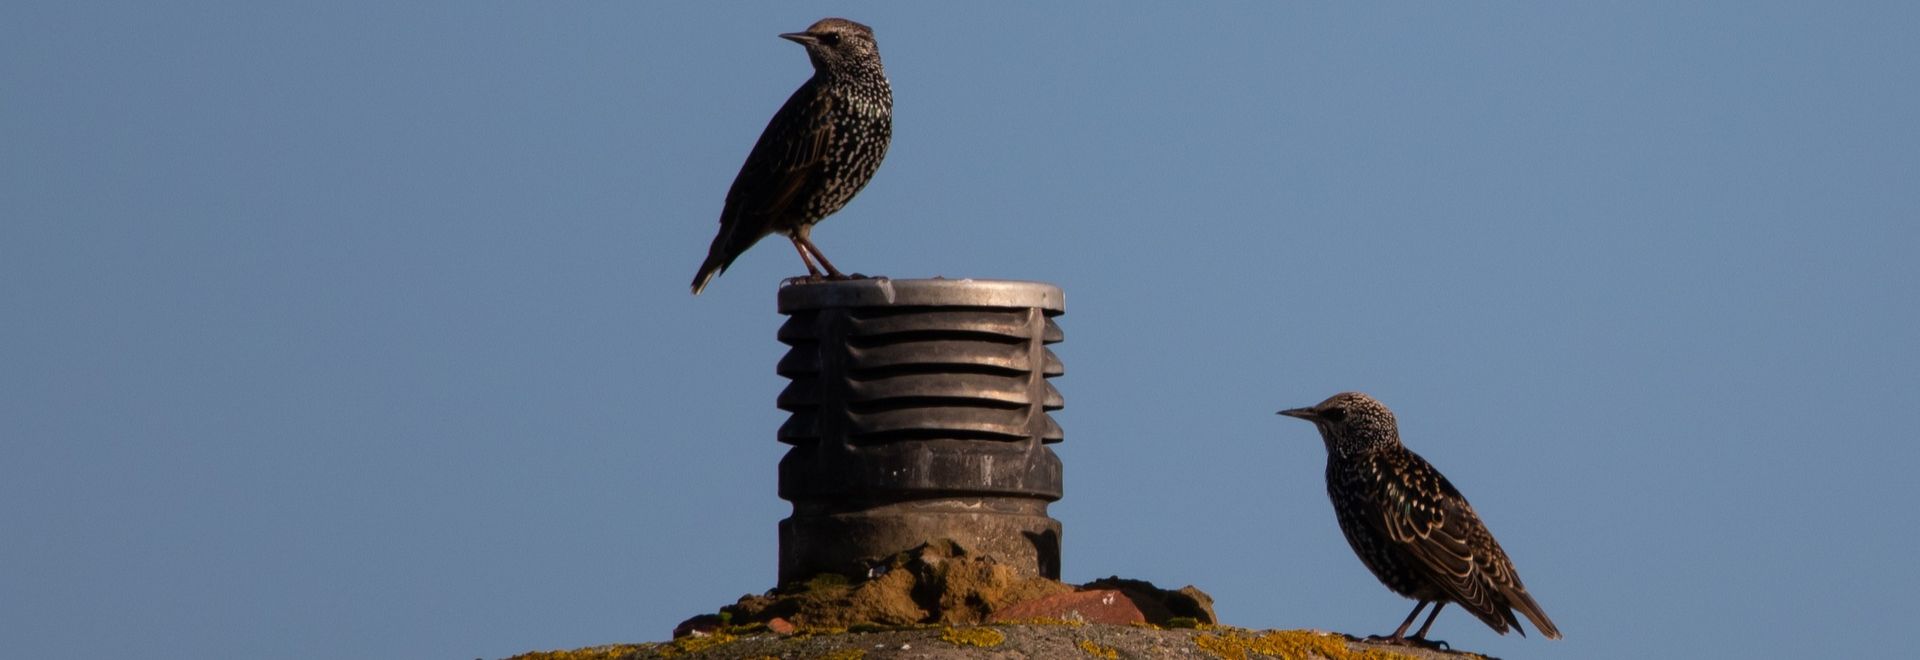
(817, 152)
(1410, 526)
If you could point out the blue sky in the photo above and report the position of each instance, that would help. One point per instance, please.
(363, 330)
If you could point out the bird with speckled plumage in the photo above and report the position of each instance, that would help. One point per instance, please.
(816, 153)
(1410, 526)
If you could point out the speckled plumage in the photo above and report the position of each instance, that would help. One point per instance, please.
(818, 151)
(1409, 525)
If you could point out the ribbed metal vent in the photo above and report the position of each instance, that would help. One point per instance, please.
(922, 373)
(908, 396)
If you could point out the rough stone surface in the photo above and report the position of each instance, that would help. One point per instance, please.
(938, 601)
(1108, 606)
(1036, 641)
(700, 625)
(943, 583)
(934, 583)
(1159, 604)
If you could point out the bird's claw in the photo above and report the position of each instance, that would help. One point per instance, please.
(1417, 642)
(816, 278)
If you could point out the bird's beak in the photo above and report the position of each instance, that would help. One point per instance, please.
(1301, 413)
(801, 38)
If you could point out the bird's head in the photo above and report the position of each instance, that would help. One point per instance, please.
(837, 45)
(1351, 423)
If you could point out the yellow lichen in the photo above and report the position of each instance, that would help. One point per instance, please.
(827, 582)
(594, 653)
(747, 629)
(845, 654)
(694, 644)
(1098, 651)
(981, 637)
(1292, 644)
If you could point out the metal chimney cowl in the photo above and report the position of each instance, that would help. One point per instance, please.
(919, 412)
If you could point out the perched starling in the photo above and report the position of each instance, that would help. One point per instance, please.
(1409, 525)
(816, 153)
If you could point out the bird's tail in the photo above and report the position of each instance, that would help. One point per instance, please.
(709, 269)
(728, 245)
(1524, 602)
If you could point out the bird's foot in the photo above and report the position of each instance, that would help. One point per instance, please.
(817, 278)
(1416, 642)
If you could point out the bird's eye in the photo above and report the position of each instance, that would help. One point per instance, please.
(830, 39)
(1333, 414)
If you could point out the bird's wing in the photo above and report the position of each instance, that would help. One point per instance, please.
(791, 152)
(1429, 519)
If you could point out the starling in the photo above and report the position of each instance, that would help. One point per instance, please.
(817, 152)
(1410, 526)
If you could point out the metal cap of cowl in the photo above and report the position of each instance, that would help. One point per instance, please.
(919, 413)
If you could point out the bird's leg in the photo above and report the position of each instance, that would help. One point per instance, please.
(813, 273)
(832, 273)
(1400, 632)
(1422, 635)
